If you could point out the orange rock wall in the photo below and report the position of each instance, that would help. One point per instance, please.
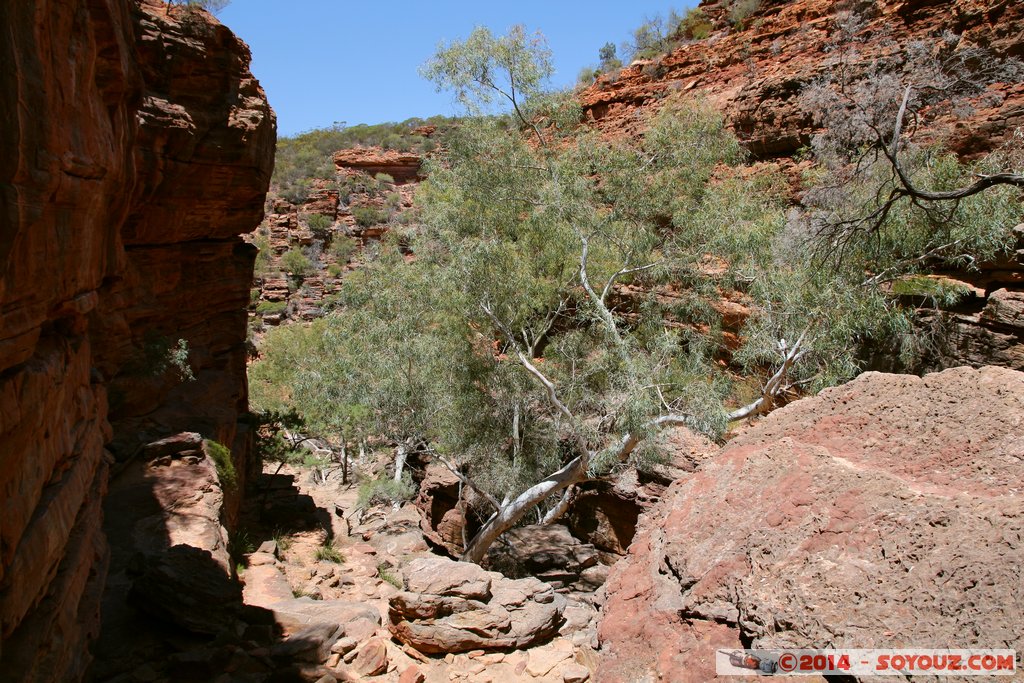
(754, 73)
(136, 149)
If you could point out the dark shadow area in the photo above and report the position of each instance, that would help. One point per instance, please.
(176, 612)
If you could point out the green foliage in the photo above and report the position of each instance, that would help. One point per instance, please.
(587, 75)
(369, 215)
(296, 263)
(240, 544)
(608, 58)
(319, 224)
(177, 358)
(385, 574)
(695, 25)
(271, 307)
(384, 179)
(264, 256)
(212, 6)
(654, 37)
(159, 355)
(579, 283)
(385, 491)
(477, 71)
(307, 156)
(939, 291)
(326, 552)
(282, 541)
(741, 10)
(221, 456)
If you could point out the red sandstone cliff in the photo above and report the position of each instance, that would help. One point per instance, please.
(753, 73)
(137, 147)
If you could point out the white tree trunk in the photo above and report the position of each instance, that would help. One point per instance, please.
(510, 513)
(401, 453)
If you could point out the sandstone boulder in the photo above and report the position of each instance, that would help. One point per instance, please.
(457, 607)
(882, 513)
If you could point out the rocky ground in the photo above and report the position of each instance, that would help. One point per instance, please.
(883, 513)
(313, 588)
(500, 630)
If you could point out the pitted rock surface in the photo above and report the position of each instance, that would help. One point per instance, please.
(883, 512)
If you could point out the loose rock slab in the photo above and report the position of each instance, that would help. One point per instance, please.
(457, 607)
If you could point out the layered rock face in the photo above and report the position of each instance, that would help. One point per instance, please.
(404, 167)
(754, 71)
(137, 147)
(883, 513)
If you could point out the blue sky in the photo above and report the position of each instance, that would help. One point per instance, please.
(323, 61)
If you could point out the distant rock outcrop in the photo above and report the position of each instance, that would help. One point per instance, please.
(137, 147)
(882, 513)
(404, 167)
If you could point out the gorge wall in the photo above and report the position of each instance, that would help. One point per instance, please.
(137, 148)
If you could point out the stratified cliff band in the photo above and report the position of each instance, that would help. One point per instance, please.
(137, 147)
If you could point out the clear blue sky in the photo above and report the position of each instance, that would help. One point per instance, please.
(322, 61)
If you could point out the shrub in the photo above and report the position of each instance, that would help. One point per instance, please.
(335, 270)
(385, 490)
(609, 59)
(221, 456)
(263, 257)
(742, 9)
(695, 25)
(588, 75)
(384, 572)
(328, 553)
(271, 307)
(213, 6)
(369, 215)
(384, 179)
(342, 248)
(319, 225)
(295, 262)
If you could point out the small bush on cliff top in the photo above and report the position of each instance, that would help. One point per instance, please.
(695, 24)
(742, 9)
(212, 6)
